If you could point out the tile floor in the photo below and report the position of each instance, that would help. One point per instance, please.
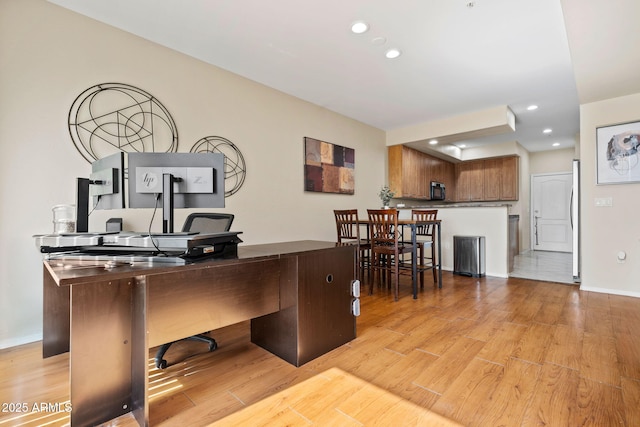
(543, 265)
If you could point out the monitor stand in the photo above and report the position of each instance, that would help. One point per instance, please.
(82, 205)
(167, 202)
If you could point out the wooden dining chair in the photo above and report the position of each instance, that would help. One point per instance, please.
(348, 230)
(426, 230)
(386, 247)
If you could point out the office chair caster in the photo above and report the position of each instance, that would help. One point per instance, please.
(161, 363)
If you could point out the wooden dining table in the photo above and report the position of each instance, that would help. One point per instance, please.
(413, 224)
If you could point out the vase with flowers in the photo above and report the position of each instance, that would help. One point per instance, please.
(386, 195)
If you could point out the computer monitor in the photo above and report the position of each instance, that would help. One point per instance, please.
(104, 189)
(175, 180)
(106, 182)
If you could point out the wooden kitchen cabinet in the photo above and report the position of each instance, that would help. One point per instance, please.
(443, 171)
(469, 181)
(400, 169)
(476, 184)
(487, 179)
(492, 178)
(510, 182)
(462, 181)
(501, 178)
(411, 173)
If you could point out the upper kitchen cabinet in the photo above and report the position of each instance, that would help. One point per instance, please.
(492, 179)
(407, 173)
(501, 178)
(509, 175)
(469, 181)
(411, 172)
(487, 179)
(443, 171)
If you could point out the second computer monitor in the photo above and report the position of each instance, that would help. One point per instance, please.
(198, 179)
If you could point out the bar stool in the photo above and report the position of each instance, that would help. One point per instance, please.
(386, 248)
(426, 230)
(348, 229)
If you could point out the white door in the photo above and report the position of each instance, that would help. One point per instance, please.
(551, 212)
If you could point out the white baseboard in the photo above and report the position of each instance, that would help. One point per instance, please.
(610, 291)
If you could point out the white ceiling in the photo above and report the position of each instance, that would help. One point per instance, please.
(459, 56)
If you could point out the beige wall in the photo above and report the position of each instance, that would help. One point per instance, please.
(551, 161)
(607, 230)
(49, 55)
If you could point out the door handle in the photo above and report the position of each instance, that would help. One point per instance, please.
(571, 209)
(535, 228)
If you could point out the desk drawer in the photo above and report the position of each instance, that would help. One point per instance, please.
(184, 303)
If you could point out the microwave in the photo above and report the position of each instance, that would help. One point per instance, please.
(437, 191)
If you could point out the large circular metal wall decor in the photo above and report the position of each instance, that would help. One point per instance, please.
(113, 117)
(235, 169)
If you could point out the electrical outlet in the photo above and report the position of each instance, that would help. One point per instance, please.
(603, 201)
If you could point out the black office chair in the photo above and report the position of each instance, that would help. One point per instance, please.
(202, 223)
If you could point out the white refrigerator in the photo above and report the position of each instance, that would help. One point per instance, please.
(575, 220)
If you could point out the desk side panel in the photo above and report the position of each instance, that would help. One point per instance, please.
(278, 332)
(139, 353)
(185, 303)
(56, 316)
(101, 322)
(324, 291)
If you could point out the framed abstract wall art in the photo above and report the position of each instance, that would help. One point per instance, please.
(328, 168)
(617, 158)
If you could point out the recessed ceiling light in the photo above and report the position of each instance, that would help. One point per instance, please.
(433, 142)
(547, 130)
(532, 107)
(378, 41)
(556, 144)
(392, 53)
(359, 27)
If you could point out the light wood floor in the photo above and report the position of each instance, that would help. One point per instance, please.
(479, 352)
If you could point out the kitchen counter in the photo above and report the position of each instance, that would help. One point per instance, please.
(481, 219)
(436, 205)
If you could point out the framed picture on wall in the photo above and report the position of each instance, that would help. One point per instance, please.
(617, 158)
(328, 168)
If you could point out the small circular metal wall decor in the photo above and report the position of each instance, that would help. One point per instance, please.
(235, 169)
(113, 117)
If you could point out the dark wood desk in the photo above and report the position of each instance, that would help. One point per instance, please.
(108, 318)
(413, 225)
